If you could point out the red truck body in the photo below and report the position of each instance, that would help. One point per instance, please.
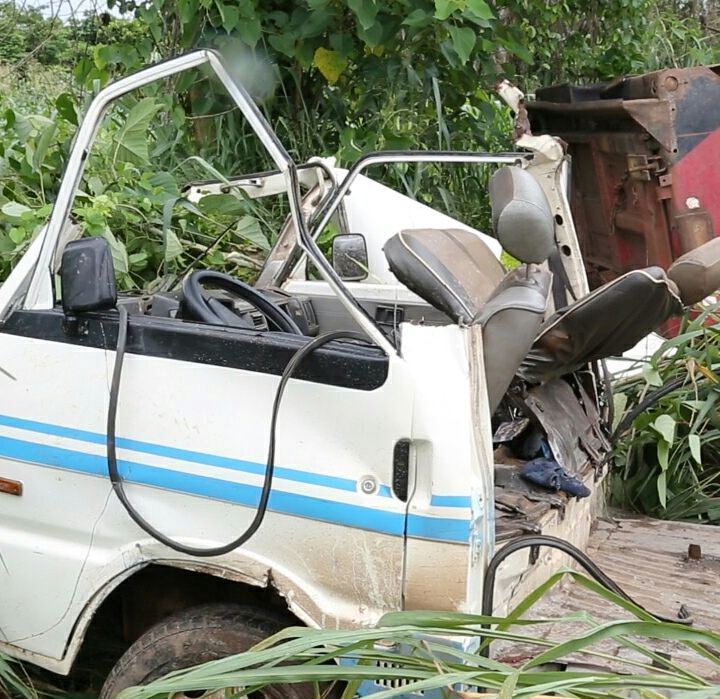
(645, 157)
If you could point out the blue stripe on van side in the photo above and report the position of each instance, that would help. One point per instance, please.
(383, 521)
(450, 501)
(186, 455)
(204, 459)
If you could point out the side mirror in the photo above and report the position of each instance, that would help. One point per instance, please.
(87, 276)
(350, 257)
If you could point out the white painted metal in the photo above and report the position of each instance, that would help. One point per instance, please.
(379, 212)
(333, 549)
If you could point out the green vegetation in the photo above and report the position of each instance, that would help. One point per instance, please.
(395, 650)
(669, 466)
(344, 77)
(13, 682)
(334, 77)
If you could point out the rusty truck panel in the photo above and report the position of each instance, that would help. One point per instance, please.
(645, 149)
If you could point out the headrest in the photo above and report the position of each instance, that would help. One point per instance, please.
(521, 215)
(697, 273)
(452, 269)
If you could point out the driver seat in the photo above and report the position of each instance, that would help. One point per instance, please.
(455, 271)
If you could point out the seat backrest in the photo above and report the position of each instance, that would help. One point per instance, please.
(455, 271)
(511, 319)
(605, 323)
(452, 269)
(697, 273)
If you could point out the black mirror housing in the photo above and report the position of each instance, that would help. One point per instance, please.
(87, 276)
(350, 256)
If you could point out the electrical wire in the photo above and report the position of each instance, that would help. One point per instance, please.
(566, 547)
(111, 444)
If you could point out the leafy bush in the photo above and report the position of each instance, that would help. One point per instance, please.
(138, 207)
(336, 77)
(669, 465)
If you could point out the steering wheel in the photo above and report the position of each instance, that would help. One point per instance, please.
(210, 310)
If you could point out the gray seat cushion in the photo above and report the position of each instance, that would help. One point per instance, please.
(452, 269)
(511, 319)
(457, 273)
(697, 273)
(606, 323)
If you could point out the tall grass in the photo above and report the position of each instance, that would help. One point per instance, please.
(412, 652)
(14, 683)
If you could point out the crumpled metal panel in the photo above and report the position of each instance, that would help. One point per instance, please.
(572, 436)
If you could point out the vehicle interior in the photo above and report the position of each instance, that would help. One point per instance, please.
(540, 366)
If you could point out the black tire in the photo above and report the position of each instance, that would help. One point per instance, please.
(195, 636)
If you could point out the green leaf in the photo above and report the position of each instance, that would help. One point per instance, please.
(22, 126)
(315, 24)
(342, 43)
(207, 168)
(284, 43)
(65, 104)
(250, 31)
(694, 444)
(118, 251)
(173, 246)
(418, 18)
(14, 209)
(248, 228)
(373, 35)
(463, 41)
(132, 139)
(222, 205)
(330, 64)
(229, 15)
(17, 235)
(43, 143)
(480, 8)
(663, 453)
(444, 8)
(138, 260)
(665, 426)
(507, 691)
(652, 375)
(188, 10)
(365, 11)
(95, 185)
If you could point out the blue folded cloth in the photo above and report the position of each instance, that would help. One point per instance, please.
(549, 474)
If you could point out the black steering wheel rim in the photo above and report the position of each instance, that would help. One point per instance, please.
(199, 309)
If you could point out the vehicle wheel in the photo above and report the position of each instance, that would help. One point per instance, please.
(195, 636)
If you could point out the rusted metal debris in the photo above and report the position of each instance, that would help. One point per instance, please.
(645, 184)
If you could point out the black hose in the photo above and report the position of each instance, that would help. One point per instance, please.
(553, 542)
(641, 407)
(117, 481)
